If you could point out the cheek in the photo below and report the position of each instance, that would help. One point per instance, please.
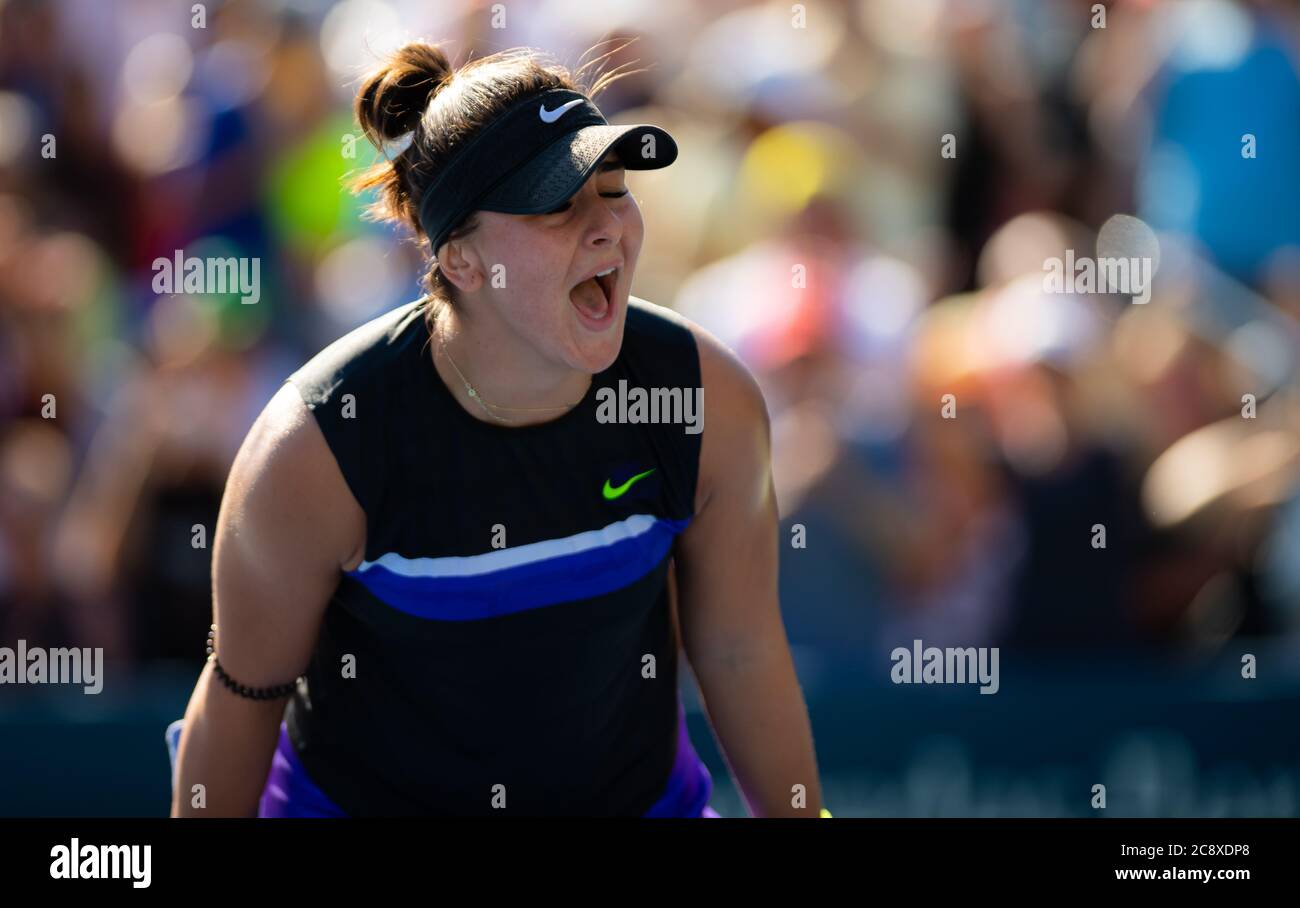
(633, 227)
(528, 267)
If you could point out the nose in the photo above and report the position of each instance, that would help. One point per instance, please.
(605, 227)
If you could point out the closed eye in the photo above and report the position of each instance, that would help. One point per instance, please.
(604, 195)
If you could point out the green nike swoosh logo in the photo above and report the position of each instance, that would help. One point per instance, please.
(612, 492)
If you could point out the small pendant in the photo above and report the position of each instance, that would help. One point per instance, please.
(473, 393)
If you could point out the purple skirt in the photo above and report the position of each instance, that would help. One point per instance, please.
(290, 792)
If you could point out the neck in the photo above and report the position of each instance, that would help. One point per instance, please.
(514, 385)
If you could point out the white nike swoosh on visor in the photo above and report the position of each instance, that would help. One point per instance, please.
(550, 116)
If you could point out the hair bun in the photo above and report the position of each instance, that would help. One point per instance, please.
(394, 97)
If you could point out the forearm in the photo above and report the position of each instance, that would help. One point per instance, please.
(226, 747)
(757, 710)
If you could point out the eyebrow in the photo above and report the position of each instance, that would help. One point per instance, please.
(613, 164)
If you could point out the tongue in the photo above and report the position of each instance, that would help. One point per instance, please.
(590, 298)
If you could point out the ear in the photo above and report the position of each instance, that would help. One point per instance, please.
(459, 263)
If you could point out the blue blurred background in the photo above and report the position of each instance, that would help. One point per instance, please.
(814, 142)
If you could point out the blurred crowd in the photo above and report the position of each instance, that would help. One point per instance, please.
(866, 198)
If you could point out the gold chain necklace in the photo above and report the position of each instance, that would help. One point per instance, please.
(487, 407)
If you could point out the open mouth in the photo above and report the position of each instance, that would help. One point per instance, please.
(594, 297)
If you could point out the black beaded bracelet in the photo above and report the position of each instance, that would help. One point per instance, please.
(243, 690)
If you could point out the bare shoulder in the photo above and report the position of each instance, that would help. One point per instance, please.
(736, 447)
(732, 398)
(285, 482)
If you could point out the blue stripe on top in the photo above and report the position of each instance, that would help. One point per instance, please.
(506, 581)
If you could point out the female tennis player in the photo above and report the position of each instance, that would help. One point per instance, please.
(467, 571)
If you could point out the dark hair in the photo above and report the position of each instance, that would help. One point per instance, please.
(418, 89)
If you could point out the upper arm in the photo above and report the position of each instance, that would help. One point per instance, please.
(288, 525)
(728, 555)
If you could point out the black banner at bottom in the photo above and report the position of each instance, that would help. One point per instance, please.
(236, 857)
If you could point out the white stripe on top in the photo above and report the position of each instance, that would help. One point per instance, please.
(501, 559)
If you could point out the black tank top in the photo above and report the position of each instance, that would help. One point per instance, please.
(514, 586)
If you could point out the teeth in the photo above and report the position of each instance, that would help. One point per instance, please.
(605, 272)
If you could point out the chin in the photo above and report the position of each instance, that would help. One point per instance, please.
(595, 343)
(595, 355)
(594, 352)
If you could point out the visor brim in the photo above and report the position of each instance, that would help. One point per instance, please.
(553, 175)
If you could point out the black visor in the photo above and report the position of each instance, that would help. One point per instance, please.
(533, 157)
